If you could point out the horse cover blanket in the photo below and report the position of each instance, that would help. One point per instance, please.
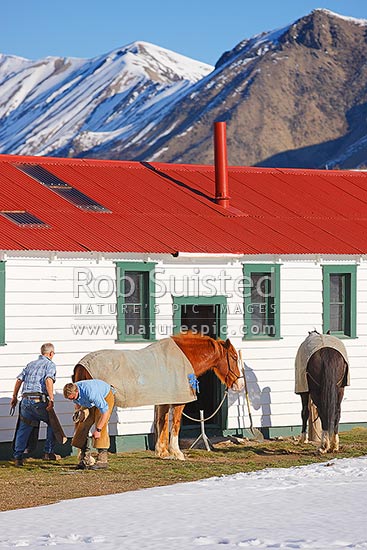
(313, 343)
(155, 375)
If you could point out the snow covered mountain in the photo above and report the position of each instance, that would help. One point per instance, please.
(294, 97)
(63, 106)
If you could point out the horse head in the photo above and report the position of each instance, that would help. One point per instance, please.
(227, 368)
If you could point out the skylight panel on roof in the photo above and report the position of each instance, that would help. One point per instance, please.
(23, 218)
(68, 192)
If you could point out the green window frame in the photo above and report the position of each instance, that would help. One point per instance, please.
(261, 292)
(2, 303)
(340, 300)
(135, 287)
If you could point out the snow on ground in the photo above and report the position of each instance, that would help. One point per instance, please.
(321, 506)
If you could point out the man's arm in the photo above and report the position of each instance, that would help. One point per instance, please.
(14, 399)
(50, 391)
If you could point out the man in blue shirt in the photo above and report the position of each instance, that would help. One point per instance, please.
(94, 401)
(38, 379)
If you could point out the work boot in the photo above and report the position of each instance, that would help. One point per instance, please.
(86, 460)
(51, 456)
(18, 462)
(102, 460)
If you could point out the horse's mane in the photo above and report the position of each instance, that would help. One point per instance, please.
(192, 335)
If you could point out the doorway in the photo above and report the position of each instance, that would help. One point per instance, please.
(207, 316)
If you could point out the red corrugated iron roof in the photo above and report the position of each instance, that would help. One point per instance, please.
(167, 208)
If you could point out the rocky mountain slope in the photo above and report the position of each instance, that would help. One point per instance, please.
(294, 97)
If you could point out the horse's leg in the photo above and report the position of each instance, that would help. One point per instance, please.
(162, 425)
(335, 439)
(174, 448)
(334, 443)
(305, 414)
(325, 438)
(325, 442)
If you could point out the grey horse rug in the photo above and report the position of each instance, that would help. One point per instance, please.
(156, 375)
(313, 343)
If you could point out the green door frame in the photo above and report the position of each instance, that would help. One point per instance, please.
(221, 301)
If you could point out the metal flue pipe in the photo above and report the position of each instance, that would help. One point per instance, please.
(221, 164)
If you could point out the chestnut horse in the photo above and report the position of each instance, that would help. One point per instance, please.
(204, 354)
(327, 375)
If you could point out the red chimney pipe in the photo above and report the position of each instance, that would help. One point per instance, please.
(221, 164)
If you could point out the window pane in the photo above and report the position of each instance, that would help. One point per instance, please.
(336, 288)
(336, 318)
(258, 308)
(262, 304)
(136, 306)
(337, 302)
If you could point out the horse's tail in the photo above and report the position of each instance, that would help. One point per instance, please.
(330, 384)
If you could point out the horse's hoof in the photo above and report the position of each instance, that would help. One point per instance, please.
(178, 456)
(322, 451)
(81, 466)
(163, 456)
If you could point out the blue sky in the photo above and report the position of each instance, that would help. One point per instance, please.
(201, 29)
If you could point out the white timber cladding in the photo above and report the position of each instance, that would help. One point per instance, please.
(45, 303)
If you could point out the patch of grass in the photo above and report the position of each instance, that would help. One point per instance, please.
(40, 482)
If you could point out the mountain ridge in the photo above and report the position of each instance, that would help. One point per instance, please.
(294, 97)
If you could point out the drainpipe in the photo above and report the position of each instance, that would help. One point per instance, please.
(221, 168)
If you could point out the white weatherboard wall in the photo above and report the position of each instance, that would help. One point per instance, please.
(42, 305)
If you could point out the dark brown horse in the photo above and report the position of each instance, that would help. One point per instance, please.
(204, 354)
(327, 375)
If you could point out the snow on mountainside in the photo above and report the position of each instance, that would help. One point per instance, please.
(294, 97)
(58, 106)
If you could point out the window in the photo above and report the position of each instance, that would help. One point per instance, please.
(76, 197)
(135, 301)
(2, 303)
(339, 300)
(261, 301)
(23, 218)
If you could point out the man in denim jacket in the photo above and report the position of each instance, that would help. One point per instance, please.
(38, 379)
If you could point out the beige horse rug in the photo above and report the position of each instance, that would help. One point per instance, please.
(313, 343)
(156, 375)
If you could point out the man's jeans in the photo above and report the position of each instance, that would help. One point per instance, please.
(32, 411)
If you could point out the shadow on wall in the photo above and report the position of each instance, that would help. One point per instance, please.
(260, 399)
(7, 433)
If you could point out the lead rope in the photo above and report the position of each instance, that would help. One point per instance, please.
(213, 414)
